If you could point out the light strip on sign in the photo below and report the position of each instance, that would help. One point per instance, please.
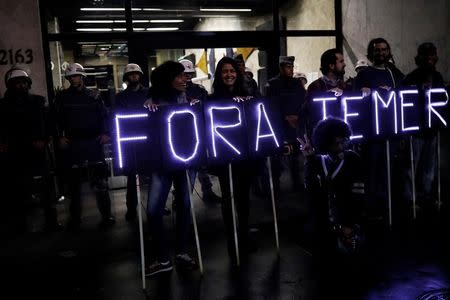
(436, 104)
(166, 21)
(261, 108)
(403, 105)
(94, 29)
(197, 141)
(375, 97)
(214, 127)
(324, 105)
(120, 139)
(227, 9)
(347, 114)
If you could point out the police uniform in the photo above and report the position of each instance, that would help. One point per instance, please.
(288, 94)
(130, 99)
(81, 118)
(23, 120)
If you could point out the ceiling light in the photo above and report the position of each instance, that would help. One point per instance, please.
(104, 49)
(141, 21)
(138, 29)
(152, 9)
(94, 29)
(102, 9)
(227, 9)
(119, 29)
(94, 21)
(162, 28)
(166, 21)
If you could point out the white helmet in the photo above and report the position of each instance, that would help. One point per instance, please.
(361, 64)
(300, 75)
(130, 68)
(188, 66)
(75, 69)
(16, 73)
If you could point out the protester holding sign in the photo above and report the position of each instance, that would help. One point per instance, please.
(168, 87)
(24, 137)
(82, 130)
(424, 77)
(227, 86)
(384, 76)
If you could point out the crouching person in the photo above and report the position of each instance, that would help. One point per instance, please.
(334, 181)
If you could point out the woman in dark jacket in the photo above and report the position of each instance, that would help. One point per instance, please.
(168, 87)
(228, 86)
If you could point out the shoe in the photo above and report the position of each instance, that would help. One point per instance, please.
(130, 216)
(185, 262)
(73, 226)
(211, 197)
(53, 227)
(158, 267)
(107, 222)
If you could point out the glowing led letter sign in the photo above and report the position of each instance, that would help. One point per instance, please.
(376, 97)
(121, 139)
(432, 105)
(258, 136)
(352, 114)
(197, 141)
(324, 105)
(403, 105)
(215, 127)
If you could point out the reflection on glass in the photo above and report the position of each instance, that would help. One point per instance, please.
(307, 15)
(307, 52)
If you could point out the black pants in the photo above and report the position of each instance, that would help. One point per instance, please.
(242, 179)
(96, 175)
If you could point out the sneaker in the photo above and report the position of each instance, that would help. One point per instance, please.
(185, 262)
(130, 216)
(107, 222)
(158, 267)
(211, 197)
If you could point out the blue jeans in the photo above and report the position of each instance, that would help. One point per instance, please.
(160, 184)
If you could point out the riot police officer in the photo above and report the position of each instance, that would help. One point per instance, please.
(24, 138)
(82, 130)
(131, 98)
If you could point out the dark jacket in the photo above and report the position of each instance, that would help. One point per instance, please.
(80, 116)
(288, 94)
(337, 189)
(130, 99)
(195, 91)
(23, 120)
(373, 78)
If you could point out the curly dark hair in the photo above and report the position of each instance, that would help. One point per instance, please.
(219, 88)
(163, 75)
(326, 131)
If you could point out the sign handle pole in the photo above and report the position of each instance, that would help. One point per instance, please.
(141, 231)
(274, 209)
(388, 167)
(194, 222)
(233, 213)
(439, 169)
(413, 176)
